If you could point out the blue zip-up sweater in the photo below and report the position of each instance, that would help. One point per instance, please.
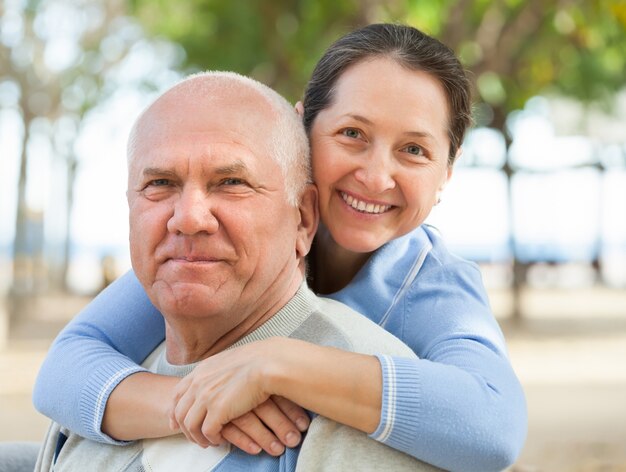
(459, 407)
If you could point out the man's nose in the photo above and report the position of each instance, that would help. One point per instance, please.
(193, 214)
(376, 171)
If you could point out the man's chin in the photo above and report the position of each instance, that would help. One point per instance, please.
(188, 299)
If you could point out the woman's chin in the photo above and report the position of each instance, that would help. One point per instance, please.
(359, 243)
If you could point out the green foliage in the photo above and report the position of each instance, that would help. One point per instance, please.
(514, 48)
(277, 42)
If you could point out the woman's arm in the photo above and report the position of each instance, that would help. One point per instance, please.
(461, 406)
(96, 351)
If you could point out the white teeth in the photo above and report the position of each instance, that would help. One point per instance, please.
(364, 207)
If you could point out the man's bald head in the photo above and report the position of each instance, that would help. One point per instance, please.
(205, 94)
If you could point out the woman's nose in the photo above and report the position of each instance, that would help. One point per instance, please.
(193, 214)
(376, 172)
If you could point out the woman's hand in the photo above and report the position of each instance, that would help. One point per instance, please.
(227, 397)
(240, 395)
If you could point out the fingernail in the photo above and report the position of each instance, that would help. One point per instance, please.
(276, 447)
(254, 448)
(292, 439)
(302, 424)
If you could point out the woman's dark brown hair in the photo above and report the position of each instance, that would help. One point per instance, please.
(413, 50)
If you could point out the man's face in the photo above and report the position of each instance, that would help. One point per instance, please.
(211, 232)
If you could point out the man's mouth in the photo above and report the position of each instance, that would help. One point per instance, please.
(364, 207)
(193, 259)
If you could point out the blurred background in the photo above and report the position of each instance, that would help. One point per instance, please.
(538, 198)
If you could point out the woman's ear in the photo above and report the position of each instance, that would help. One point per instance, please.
(299, 108)
(445, 181)
(450, 170)
(309, 219)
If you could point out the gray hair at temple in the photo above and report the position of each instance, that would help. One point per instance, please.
(289, 143)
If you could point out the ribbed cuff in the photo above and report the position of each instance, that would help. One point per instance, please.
(401, 405)
(95, 395)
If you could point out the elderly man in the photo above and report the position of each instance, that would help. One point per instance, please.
(222, 215)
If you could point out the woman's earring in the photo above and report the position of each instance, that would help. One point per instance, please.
(438, 201)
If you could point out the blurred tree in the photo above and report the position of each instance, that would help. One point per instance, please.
(515, 49)
(277, 42)
(59, 54)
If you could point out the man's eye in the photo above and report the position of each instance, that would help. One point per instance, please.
(233, 181)
(159, 182)
(351, 133)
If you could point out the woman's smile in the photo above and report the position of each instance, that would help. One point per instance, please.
(362, 205)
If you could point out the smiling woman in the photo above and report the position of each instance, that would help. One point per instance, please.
(381, 155)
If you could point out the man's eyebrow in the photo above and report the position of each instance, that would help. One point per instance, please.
(236, 167)
(158, 171)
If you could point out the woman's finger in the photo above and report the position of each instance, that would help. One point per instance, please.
(194, 421)
(179, 391)
(189, 419)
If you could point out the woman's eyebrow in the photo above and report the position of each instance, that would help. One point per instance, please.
(420, 134)
(417, 134)
(360, 118)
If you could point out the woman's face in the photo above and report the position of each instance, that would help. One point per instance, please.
(380, 153)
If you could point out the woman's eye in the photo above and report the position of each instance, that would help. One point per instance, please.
(414, 149)
(351, 133)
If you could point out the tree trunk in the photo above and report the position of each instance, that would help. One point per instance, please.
(518, 269)
(22, 260)
(72, 166)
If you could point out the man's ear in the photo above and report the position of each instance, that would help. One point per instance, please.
(300, 108)
(309, 219)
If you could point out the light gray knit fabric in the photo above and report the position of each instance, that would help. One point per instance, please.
(18, 456)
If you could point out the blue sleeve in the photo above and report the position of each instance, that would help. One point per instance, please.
(460, 405)
(97, 350)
